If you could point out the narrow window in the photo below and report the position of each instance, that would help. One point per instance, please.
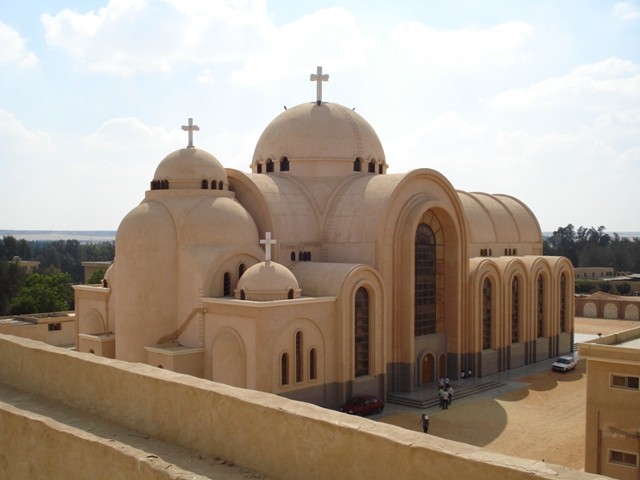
(486, 314)
(259, 169)
(269, 165)
(357, 165)
(380, 169)
(284, 164)
(204, 184)
(540, 307)
(242, 294)
(293, 256)
(290, 294)
(362, 332)
(226, 284)
(241, 270)
(298, 356)
(213, 184)
(372, 166)
(515, 310)
(425, 281)
(284, 369)
(55, 326)
(313, 369)
(220, 185)
(563, 303)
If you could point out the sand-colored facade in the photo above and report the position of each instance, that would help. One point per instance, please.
(613, 405)
(376, 282)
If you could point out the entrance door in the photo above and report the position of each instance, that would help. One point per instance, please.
(427, 368)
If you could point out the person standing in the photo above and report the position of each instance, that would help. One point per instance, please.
(424, 421)
(450, 392)
(445, 400)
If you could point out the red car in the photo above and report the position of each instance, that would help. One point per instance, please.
(363, 405)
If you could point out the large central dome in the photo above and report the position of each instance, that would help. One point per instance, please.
(319, 139)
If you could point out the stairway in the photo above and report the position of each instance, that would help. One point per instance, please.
(428, 397)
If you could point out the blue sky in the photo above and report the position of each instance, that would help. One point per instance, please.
(539, 100)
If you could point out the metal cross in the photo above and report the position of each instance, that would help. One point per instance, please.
(267, 242)
(190, 128)
(318, 77)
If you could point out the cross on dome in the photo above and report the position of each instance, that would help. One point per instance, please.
(267, 242)
(318, 77)
(191, 128)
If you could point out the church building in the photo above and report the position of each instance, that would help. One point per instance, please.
(319, 275)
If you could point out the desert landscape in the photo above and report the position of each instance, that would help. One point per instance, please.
(544, 421)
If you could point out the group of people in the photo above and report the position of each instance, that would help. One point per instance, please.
(445, 392)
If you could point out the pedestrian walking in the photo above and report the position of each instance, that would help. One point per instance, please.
(424, 421)
(450, 391)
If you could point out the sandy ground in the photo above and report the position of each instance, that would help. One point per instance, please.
(543, 421)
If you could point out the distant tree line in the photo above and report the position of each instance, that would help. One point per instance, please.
(48, 289)
(592, 247)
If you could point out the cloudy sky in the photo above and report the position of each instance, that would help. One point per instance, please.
(538, 99)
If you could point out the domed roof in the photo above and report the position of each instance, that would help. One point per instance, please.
(187, 167)
(311, 136)
(268, 281)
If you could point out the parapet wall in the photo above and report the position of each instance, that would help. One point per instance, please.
(281, 438)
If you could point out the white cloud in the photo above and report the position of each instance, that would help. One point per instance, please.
(593, 87)
(126, 38)
(13, 50)
(426, 48)
(626, 11)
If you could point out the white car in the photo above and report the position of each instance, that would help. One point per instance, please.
(564, 363)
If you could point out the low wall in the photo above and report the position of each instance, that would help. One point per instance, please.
(278, 437)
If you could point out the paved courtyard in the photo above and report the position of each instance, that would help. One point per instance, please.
(538, 414)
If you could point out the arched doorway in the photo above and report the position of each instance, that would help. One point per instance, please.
(427, 368)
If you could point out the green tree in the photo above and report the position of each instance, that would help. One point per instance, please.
(44, 292)
(96, 277)
(604, 287)
(584, 286)
(623, 288)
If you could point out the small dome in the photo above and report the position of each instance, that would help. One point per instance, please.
(188, 167)
(323, 139)
(268, 281)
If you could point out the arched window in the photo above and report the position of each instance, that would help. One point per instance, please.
(298, 356)
(213, 184)
(269, 165)
(361, 332)
(563, 303)
(540, 307)
(293, 256)
(357, 165)
(242, 294)
(486, 314)
(284, 164)
(425, 281)
(220, 185)
(372, 166)
(204, 184)
(515, 310)
(241, 269)
(380, 169)
(259, 168)
(290, 294)
(284, 369)
(313, 364)
(226, 282)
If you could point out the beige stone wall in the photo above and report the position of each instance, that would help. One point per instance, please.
(278, 437)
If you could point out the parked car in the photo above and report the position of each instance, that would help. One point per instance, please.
(564, 363)
(363, 405)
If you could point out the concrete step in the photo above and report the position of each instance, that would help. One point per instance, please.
(429, 398)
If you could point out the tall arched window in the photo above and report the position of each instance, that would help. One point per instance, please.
(515, 310)
(220, 185)
(226, 284)
(284, 164)
(241, 269)
(259, 168)
(563, 303)
(486, 314)
(204, 184)
(298, 356)
(540, 308)
(313, 364)
(425, 281)
(372, 166)
(284, 369)
(357, 165)
(269, 165)
(362, 332)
